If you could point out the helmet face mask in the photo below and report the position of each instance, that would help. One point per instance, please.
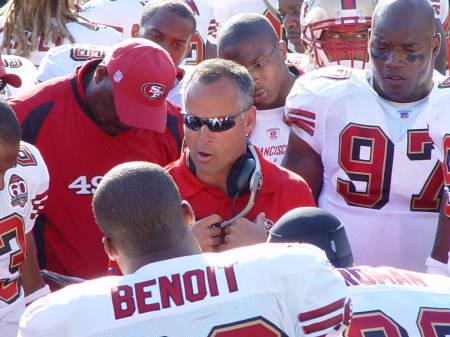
(318, 17)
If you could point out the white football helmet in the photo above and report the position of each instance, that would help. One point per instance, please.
(349, 15)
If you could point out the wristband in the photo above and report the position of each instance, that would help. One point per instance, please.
(38, 293)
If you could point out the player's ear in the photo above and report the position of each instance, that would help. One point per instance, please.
(189, 216)
(100, 73)
(135, 30)
(282, 49)
(110, 249)
(436, 44)
(188, 50)
(250, 120)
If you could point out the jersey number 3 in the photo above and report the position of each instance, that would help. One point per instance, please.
(12, 247)
(366, 154)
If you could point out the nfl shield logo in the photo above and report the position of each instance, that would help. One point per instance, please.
(118, 76)
(404, 113)
(273, 133)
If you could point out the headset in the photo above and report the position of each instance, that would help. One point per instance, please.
(245, 176)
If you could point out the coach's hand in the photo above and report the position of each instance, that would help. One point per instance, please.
(243, 233)
(207, 237)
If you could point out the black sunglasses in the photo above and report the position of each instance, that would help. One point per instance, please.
(214, 124)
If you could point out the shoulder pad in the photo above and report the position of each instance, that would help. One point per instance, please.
(334, 72)
(445, 83)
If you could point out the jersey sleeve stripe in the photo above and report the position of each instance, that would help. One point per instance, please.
(303, 124)
(324, 325)
(38, 204)
(303, 113)
(306, 316)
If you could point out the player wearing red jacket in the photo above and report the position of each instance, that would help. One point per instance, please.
(85, 124)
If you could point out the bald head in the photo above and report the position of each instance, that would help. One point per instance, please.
(400, 12)
(403, 45)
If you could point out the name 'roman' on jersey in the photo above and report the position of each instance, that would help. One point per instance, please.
(397, 303)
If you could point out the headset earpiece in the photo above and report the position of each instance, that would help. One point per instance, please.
(238, 180)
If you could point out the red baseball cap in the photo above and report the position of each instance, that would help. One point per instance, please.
(142, 74)
(11, 79)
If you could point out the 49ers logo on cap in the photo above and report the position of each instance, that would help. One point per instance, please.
(153, 90)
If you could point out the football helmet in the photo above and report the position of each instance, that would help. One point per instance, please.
(346, 15)
(318, 227)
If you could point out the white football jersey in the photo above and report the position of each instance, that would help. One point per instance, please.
(263, 290)
(23, 68)
(63, 60)
(300, 61)
(82, 32)
(381, 175)
(22, 199)
(397, 303)
(271, 134)
(175, 93)
(122, 14)
(439, 129)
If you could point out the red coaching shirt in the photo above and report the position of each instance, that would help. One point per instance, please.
(281, 191)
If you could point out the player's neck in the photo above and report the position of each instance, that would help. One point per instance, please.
(288, 83)
(187, 247)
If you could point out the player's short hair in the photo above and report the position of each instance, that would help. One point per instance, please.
(137, 205)
(9, 125)
(212, 71)
(244, 27)
(177, 7)
(317, 227)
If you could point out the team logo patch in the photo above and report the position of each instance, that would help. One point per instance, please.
(260, 182)
(268, 223)
(153, 90)
(337, 73)
(273, 133)
(404, 113)
(18, 191)
(88, 8)
(118, 76)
